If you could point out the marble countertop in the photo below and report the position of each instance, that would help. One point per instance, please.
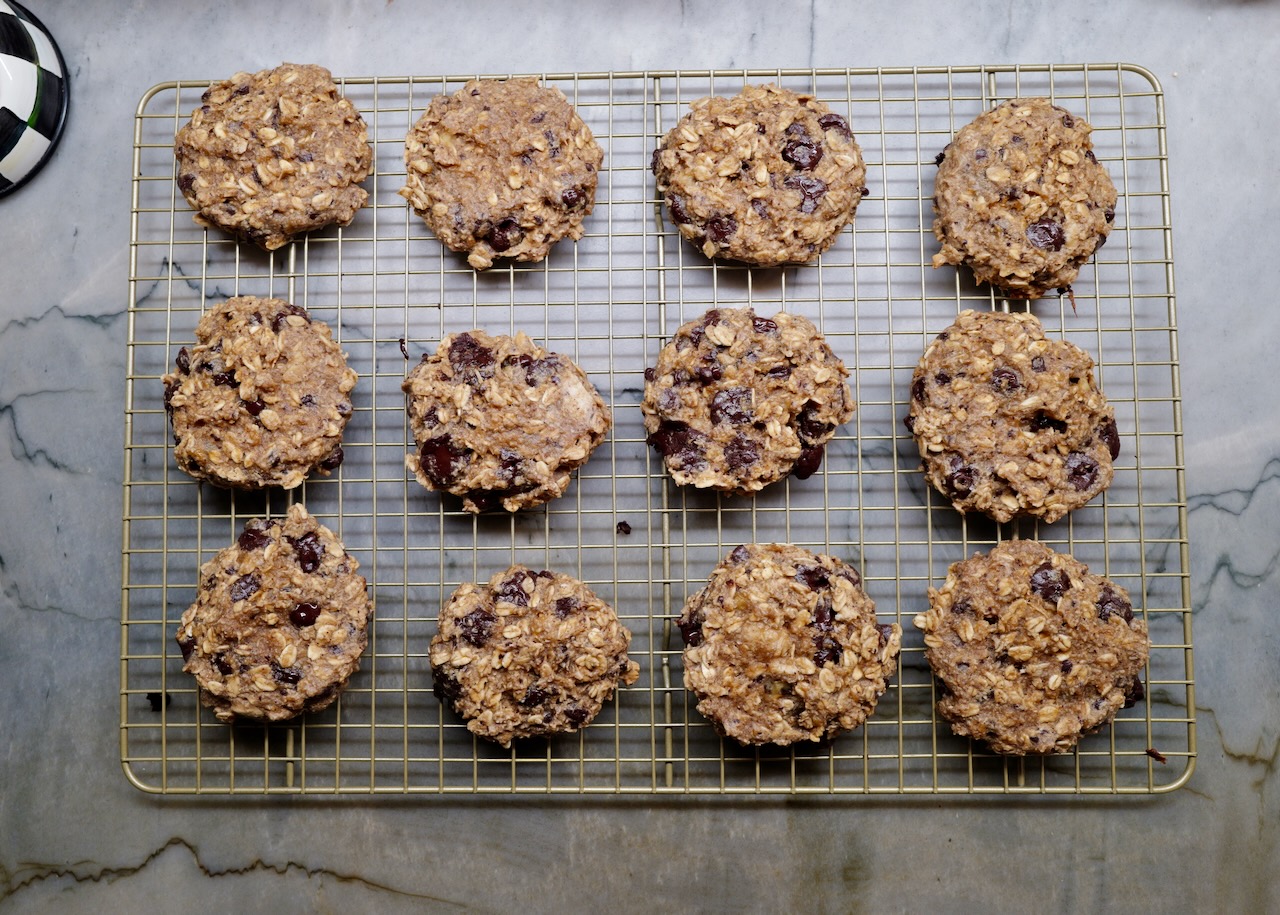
(76, 837)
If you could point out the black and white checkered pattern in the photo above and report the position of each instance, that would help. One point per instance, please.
(33, 95)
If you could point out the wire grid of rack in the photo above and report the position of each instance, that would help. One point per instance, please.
(389, 288)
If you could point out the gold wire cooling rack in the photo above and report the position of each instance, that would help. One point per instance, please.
(388, 287)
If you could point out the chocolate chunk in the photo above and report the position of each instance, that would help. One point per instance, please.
(304, 614)
(465, 352)
(244, 587)
(1050, 583)
(183, 361)
(1046, 234)
(537, 695)
(1111, 603)
(224, 666)
(733, 406)
(814, 578)
(808, 463)
(286, 675)
(1109, 214)
(334, 460)
(675, 440)
(709, 372)
(811, 428)
(741, 452)
(254, 536)
(477, 626)
(576, 715)
(917, 390)
(506, 235)
(1110, 435)
(438, 458)
(159, 701)
(255, 406)
(1043, 420)
(309, 550)
(186, 646)
(962, 478)
(1082, 470)
(573, 197)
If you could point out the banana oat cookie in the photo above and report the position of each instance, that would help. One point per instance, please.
(502, 168)
(1031, 650)
(273, 154)
(736, 402)
(767, 177)
(261, 399)
(782, 645)
(1021, 198)
(279, 622)
(529, 654)
(1009, 422)
(500, 421)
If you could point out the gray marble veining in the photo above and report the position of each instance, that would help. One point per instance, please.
(75, 837)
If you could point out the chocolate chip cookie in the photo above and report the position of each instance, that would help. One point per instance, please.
(767, 177)
(1032, 651)
(270, 155)
(529, 654)
(279, 622)
(261, 399)
(782, 645)
(1021, 198)
(502, 169)
(500, 421)
(1009, 422)
(736, 401)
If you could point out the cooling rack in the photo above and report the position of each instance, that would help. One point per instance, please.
(390, 291)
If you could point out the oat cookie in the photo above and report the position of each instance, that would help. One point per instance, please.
(782, 645)
(767, 177)
(1021, 198)
(261, 399)
(529, 654)
(737, 401)
(1031, 650)
(279, 621)
(1009, 422)
(502, 168)
(500, 421)
(273, 154)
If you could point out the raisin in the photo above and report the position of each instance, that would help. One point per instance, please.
(245, 587)
(1110, 604)
(764, 325)
(1050, 583)
(917, 390)
(1082, 470)
(477, 626)
(255, 406)
(803, 153)
(512, 590)
(287, 675)
(779, 371)
(1046, 234)
(836, 122)
(811, 189)
(811, 428)
(334, 460)
(624, 528)
(653, 160)
(304, 614)
(226, 379)
(183, 361)
(224, 666)
(650, 374)
(309, 550)
(282, 317)
(679, 213)
(721, 228)
(576, 715)
(962, 478)
(537, 695)
(709, 372)
(573, 197)
(963, 606)
(446, 688)
(1109, 214)
(691, 630)
(1005, 380)
(568, 605)
(1068, 121)
(255, 536)
(1134, 694)
(886, 632)
(1037, 363)
(739, 554)
(506, 235)
(760, 207)
(675, 440)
